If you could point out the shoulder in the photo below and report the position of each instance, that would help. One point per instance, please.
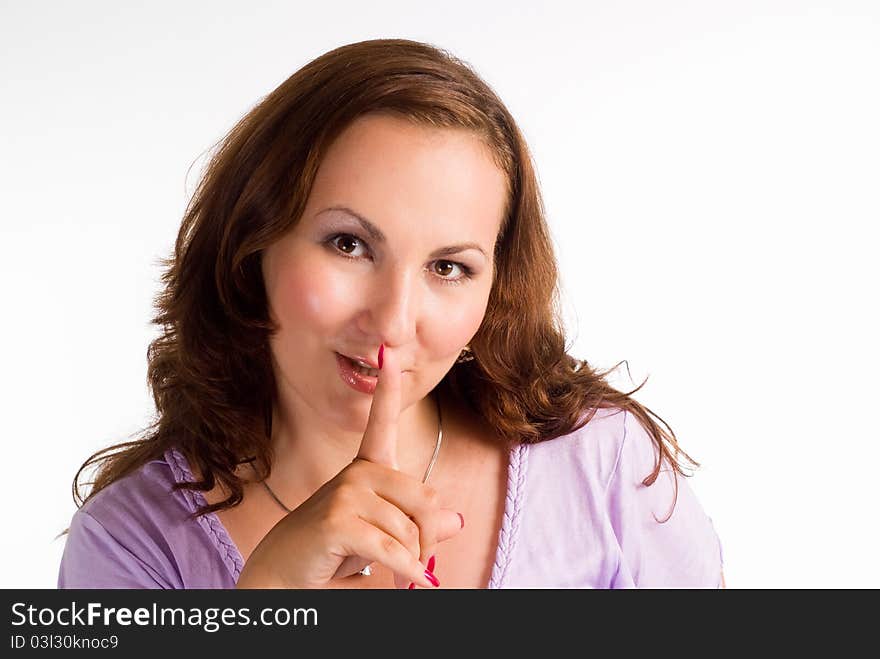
(663, 534)
(612, 442)
(139, 532)
(143, 501)
(592, 452)
(592, 478)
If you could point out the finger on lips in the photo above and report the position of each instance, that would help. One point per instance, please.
(379, 443)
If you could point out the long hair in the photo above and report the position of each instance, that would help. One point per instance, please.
(210, 370)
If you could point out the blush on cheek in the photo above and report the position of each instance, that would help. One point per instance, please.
(315, 299)
(303, 303)
(312, 302)
(456, 327)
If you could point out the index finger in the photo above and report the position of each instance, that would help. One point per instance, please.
(379, 443)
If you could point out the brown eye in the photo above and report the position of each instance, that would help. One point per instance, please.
(346, 244)
(446, 268)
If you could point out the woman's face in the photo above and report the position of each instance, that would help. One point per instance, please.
(395, 246)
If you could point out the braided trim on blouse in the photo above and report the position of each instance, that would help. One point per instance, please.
(516, 478)
(210, 523)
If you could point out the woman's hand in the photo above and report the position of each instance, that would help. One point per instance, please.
(369, 512)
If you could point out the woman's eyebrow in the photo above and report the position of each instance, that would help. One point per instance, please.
(375, 234)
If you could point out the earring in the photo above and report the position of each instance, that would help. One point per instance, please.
(465, 356)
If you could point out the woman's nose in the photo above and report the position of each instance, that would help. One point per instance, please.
(394, 307)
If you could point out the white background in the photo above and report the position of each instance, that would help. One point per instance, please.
(710, 172)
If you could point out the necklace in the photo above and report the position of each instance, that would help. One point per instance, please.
(366, 571)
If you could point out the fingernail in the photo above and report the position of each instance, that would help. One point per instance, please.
(461, 517)
(431, 563)
(411, 586)
(430, 577)
(381, 355)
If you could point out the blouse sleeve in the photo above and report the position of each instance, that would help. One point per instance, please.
(682, 551)
(93, 558)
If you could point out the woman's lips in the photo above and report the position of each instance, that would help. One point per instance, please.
(363, 360)
(358, 381)
(371, 363)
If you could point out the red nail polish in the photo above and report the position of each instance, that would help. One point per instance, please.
(381, 355)
(430, 577)
(411, 586)
(431, 563)
(461, 517)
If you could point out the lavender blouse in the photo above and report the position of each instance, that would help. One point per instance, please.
(576, 516)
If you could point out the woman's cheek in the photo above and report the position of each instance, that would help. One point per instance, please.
(316, 297)
(454, 325)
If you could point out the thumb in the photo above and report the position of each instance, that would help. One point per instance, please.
(379, 443)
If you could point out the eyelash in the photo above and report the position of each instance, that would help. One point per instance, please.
(467, 273)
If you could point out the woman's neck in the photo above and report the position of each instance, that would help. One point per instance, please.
(307, 453)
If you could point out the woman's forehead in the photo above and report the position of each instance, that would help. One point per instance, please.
(393, 173)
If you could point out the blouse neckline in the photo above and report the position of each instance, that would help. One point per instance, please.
(234, 562)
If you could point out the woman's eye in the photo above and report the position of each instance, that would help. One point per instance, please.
(449, 272)
(444, 268)
(345, 243)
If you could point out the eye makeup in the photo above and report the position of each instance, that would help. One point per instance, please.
(344, 219)
(333, 241)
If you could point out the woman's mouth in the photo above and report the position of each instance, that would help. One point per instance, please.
(363, 367)
(356, 374)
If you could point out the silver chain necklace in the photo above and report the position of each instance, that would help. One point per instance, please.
(366, 571)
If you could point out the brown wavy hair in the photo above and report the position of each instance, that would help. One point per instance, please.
(210, 370)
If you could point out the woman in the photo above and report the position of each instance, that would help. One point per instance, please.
(362, 379)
